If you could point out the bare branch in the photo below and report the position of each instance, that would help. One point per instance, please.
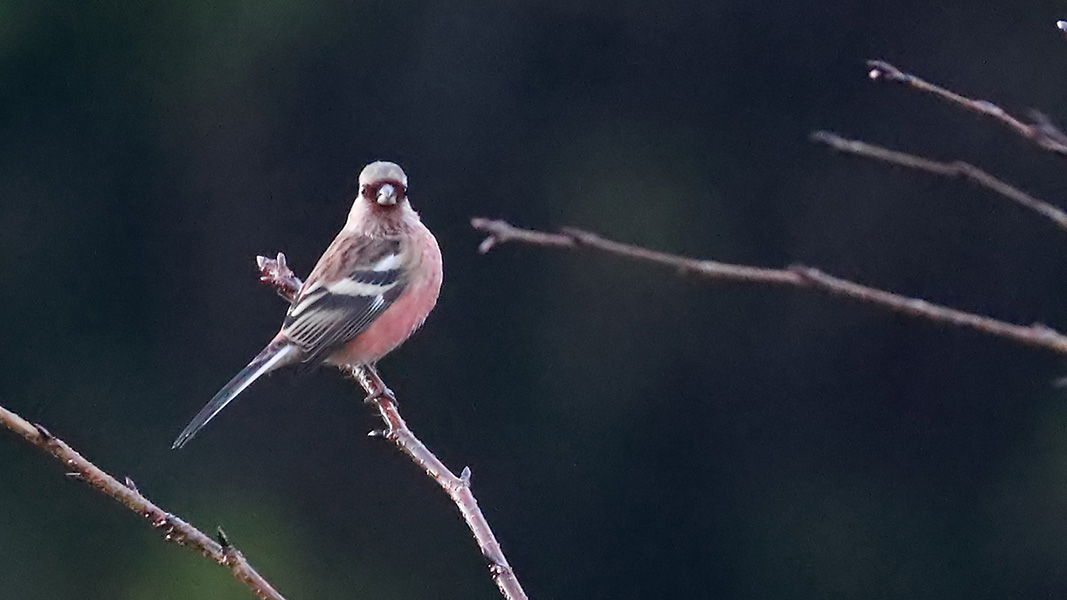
(457, 488)
(1042, 132)
(277, 275)
(174, 529)
(954, 169)
(1037, 335)
(502, 232)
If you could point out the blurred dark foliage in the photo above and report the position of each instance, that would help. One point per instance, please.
(632, 435)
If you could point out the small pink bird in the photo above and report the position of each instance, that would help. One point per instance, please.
(372, 288)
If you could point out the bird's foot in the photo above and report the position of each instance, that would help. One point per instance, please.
(380, 393)
(370, 380)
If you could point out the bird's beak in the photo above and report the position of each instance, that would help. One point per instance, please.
(387, 195)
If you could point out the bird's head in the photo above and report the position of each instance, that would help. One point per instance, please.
(383, 184)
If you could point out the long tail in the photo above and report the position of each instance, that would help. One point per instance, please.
(277, 354)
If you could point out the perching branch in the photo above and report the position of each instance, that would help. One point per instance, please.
(955, 168)
(174, 529)
(1041, 132)
(275, 273)
(797, 276)
(457, 488)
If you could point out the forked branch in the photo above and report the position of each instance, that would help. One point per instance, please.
(1040, 131)
(275, 273)
(174, 529)
(797, 276)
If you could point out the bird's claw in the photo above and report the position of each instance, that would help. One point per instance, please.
(382, 393)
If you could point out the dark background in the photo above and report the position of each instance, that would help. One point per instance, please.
(631, 434)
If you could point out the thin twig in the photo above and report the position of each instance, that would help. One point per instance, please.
(798, 276)
(954, 169)
(457, 488)
(1042, 132)
(275, 273)
(174, 529)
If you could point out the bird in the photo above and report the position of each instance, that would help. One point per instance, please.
(372, 288)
